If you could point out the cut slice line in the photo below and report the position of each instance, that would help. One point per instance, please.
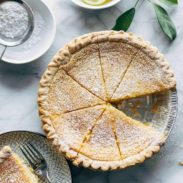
(59, 114)
(122, 77)
(73, 127)
(84, 66)
(113, 125)
(83, 86)
(65, 94)
(138, 124)
(89, 133)
(147, 74)
(102, 71)
(114, 59)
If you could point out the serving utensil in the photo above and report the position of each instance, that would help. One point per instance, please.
(36, 160)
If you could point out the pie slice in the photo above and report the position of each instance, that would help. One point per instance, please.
(145, 75)
(85, 68)
(101, 143)
(115, 59)
(65, 95)
(72, 127)
(13, 169)
(133, 136)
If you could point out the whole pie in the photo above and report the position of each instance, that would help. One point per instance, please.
(78, 90)
(13, 169)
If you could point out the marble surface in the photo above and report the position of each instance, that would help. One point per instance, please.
(19, 85)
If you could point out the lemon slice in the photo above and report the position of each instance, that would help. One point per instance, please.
(95, 2)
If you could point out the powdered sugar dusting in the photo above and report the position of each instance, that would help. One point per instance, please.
(13, 19)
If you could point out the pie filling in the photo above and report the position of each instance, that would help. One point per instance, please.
(122, 59)
(85, 91)
(13, 169)
(131, 137)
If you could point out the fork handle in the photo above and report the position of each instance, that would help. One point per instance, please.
(43, 174)
(48, 178)
(2, 51)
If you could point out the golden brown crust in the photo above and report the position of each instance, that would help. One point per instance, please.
(61, 59)
(64, 55)
(82, 160)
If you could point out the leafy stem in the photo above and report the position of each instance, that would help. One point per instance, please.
(124, 21)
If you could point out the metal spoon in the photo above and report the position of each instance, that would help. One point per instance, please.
(10, 42)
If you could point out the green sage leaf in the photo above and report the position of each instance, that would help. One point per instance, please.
(173, 2)
(165, 22)
(124, 21)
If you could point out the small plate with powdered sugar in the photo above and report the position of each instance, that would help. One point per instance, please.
(39, 41)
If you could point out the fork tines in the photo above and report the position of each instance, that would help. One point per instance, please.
(33, 156)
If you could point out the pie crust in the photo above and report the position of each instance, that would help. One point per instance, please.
(93, 68)
(13, 169)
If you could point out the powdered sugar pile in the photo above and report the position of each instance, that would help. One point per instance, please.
(13, 19)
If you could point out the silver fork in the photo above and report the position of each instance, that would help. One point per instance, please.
(36, 160)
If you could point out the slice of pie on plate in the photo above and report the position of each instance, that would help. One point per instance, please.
(76, 92)
(13, 169)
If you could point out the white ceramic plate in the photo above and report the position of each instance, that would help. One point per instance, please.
(58, 168)
(33, 48)
(83, 5)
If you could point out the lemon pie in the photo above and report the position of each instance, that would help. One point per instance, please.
(79, 87)
(13, 169)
